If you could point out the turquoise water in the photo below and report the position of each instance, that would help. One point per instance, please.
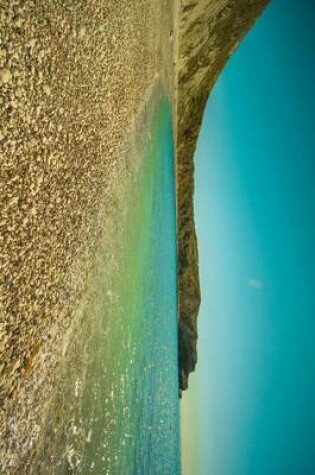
(117, 411)
(155, 399)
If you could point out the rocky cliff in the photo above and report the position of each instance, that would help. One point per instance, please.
(208, 33)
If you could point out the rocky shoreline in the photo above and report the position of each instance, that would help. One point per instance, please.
(208, 33)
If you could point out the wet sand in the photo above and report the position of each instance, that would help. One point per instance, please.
(73, 77)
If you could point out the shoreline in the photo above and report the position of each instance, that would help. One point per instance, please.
(64, 140)
(100, 291)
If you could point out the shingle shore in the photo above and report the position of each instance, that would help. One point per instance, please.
(72, 78)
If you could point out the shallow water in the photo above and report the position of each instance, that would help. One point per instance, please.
(116, 409)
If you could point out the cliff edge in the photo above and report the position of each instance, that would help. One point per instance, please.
(208, 33)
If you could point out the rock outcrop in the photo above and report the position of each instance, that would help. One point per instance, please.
(209, 32)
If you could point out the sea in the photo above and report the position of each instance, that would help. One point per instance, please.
(117, 407)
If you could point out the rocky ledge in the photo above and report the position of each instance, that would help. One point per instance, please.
(209, 32)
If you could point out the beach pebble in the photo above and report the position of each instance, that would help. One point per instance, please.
(32, 43)
(5, 76)
(47, 90)
(41, 55)
(82, 32)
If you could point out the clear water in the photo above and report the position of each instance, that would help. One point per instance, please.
(117, 408)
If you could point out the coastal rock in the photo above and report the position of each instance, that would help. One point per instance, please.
(209, 32)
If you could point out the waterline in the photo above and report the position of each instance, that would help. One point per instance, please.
(116, 407)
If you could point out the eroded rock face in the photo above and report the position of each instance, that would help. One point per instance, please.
(209, 32)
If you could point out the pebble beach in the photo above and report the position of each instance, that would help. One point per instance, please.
(73, 79)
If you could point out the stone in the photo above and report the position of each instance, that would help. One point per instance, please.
(47, 90)
(5, 76)
(82, 32)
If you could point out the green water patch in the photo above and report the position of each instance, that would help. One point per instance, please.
(116, 405)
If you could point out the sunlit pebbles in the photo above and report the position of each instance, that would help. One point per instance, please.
(116, 409)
